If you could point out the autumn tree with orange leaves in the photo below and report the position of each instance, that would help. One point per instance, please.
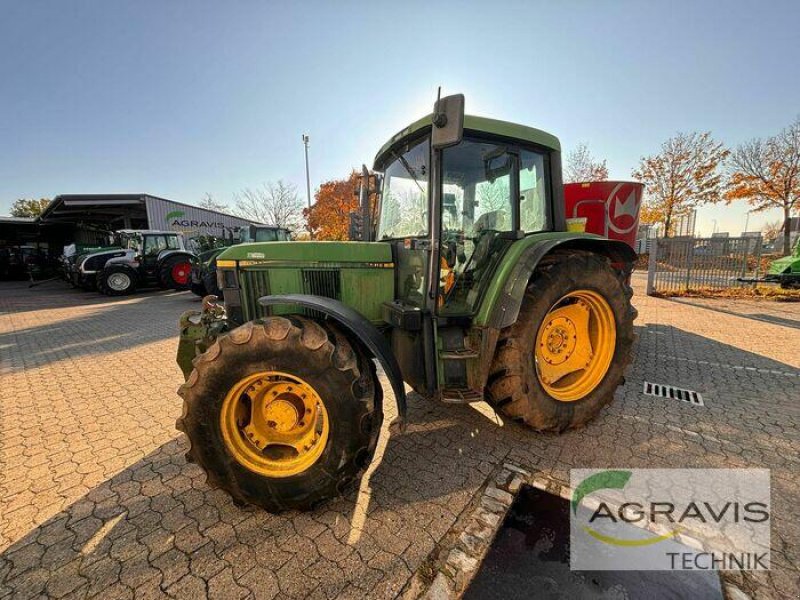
(766, 173)
(685, 174)
(329, 216)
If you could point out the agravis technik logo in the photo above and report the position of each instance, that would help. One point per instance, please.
(654, 519)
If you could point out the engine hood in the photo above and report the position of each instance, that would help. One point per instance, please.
(309, 252)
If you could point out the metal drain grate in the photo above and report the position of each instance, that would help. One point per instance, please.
(671, 392)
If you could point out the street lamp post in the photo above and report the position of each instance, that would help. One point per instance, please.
(305, 139)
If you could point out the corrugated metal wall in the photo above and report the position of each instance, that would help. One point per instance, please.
(191, 220)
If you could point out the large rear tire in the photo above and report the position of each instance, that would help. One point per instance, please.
(244, 407)
(560, 363)
(175, 273)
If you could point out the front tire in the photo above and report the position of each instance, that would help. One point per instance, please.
(244, 404)
(116, 281)
(560, 363)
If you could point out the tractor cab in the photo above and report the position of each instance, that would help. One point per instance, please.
(148, 244)
(451, 225)
(263, 233)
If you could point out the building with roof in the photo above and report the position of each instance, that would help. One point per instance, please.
(88, 218)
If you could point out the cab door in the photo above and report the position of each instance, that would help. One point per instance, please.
(153, 245)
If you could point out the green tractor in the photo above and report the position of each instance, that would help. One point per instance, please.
(471, 290)
(204, 268)
(786, 271)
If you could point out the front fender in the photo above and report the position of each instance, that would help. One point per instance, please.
(360, 329)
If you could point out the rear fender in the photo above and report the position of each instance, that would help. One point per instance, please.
(128, 259)
(165, 254)
(359, 329)
(507, 306)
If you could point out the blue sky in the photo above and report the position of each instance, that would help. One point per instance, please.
(182, 98)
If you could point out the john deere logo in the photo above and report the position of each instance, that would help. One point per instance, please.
(175, 219)
(616, 480)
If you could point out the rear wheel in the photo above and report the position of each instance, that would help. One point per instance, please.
(561, 362)
(175, 273)
(116, 281)
(283, 413)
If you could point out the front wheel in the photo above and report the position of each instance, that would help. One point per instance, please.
(283, 413)
(561, 362)
(116, 281)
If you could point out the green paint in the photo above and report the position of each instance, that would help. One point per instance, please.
(175, 214)
(787, 264)
(311, 252)
(366, 276)
(479, 125)
(615, 480)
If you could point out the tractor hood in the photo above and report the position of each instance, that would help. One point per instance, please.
(297, 253)
(358, 274)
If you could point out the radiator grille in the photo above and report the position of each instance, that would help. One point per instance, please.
(322, 282)
(256, 285)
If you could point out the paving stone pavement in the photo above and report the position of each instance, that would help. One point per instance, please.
(96, 499)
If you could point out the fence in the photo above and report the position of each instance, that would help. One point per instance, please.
(685, 264)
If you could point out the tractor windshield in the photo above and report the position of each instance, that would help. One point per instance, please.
(404, 203)
(271, 235)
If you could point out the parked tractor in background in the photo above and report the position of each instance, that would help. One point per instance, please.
(786, 271)
(204, 269)
(472, 290)
(138, 258)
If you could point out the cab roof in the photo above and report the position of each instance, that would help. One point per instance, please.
(480, 125)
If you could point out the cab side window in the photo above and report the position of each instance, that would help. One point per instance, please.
(533, 192)
(153, 244)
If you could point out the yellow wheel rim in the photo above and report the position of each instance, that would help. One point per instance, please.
(275, 424)
(575, 345)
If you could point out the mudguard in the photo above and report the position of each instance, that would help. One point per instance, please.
(169, 253)
(506, 309)
(361, 329)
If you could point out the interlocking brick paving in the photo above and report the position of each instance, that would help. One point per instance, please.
(96, 499)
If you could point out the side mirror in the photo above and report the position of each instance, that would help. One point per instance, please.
(448, 121)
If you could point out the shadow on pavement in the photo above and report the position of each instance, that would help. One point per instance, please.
(764, 318)
(111, 325)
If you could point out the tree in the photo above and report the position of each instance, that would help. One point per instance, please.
(772, 231)
(329, 216)
(29, 208)
(766, 173)
(581, 166)
(684, 175)
(271, 203)
(209, 203)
